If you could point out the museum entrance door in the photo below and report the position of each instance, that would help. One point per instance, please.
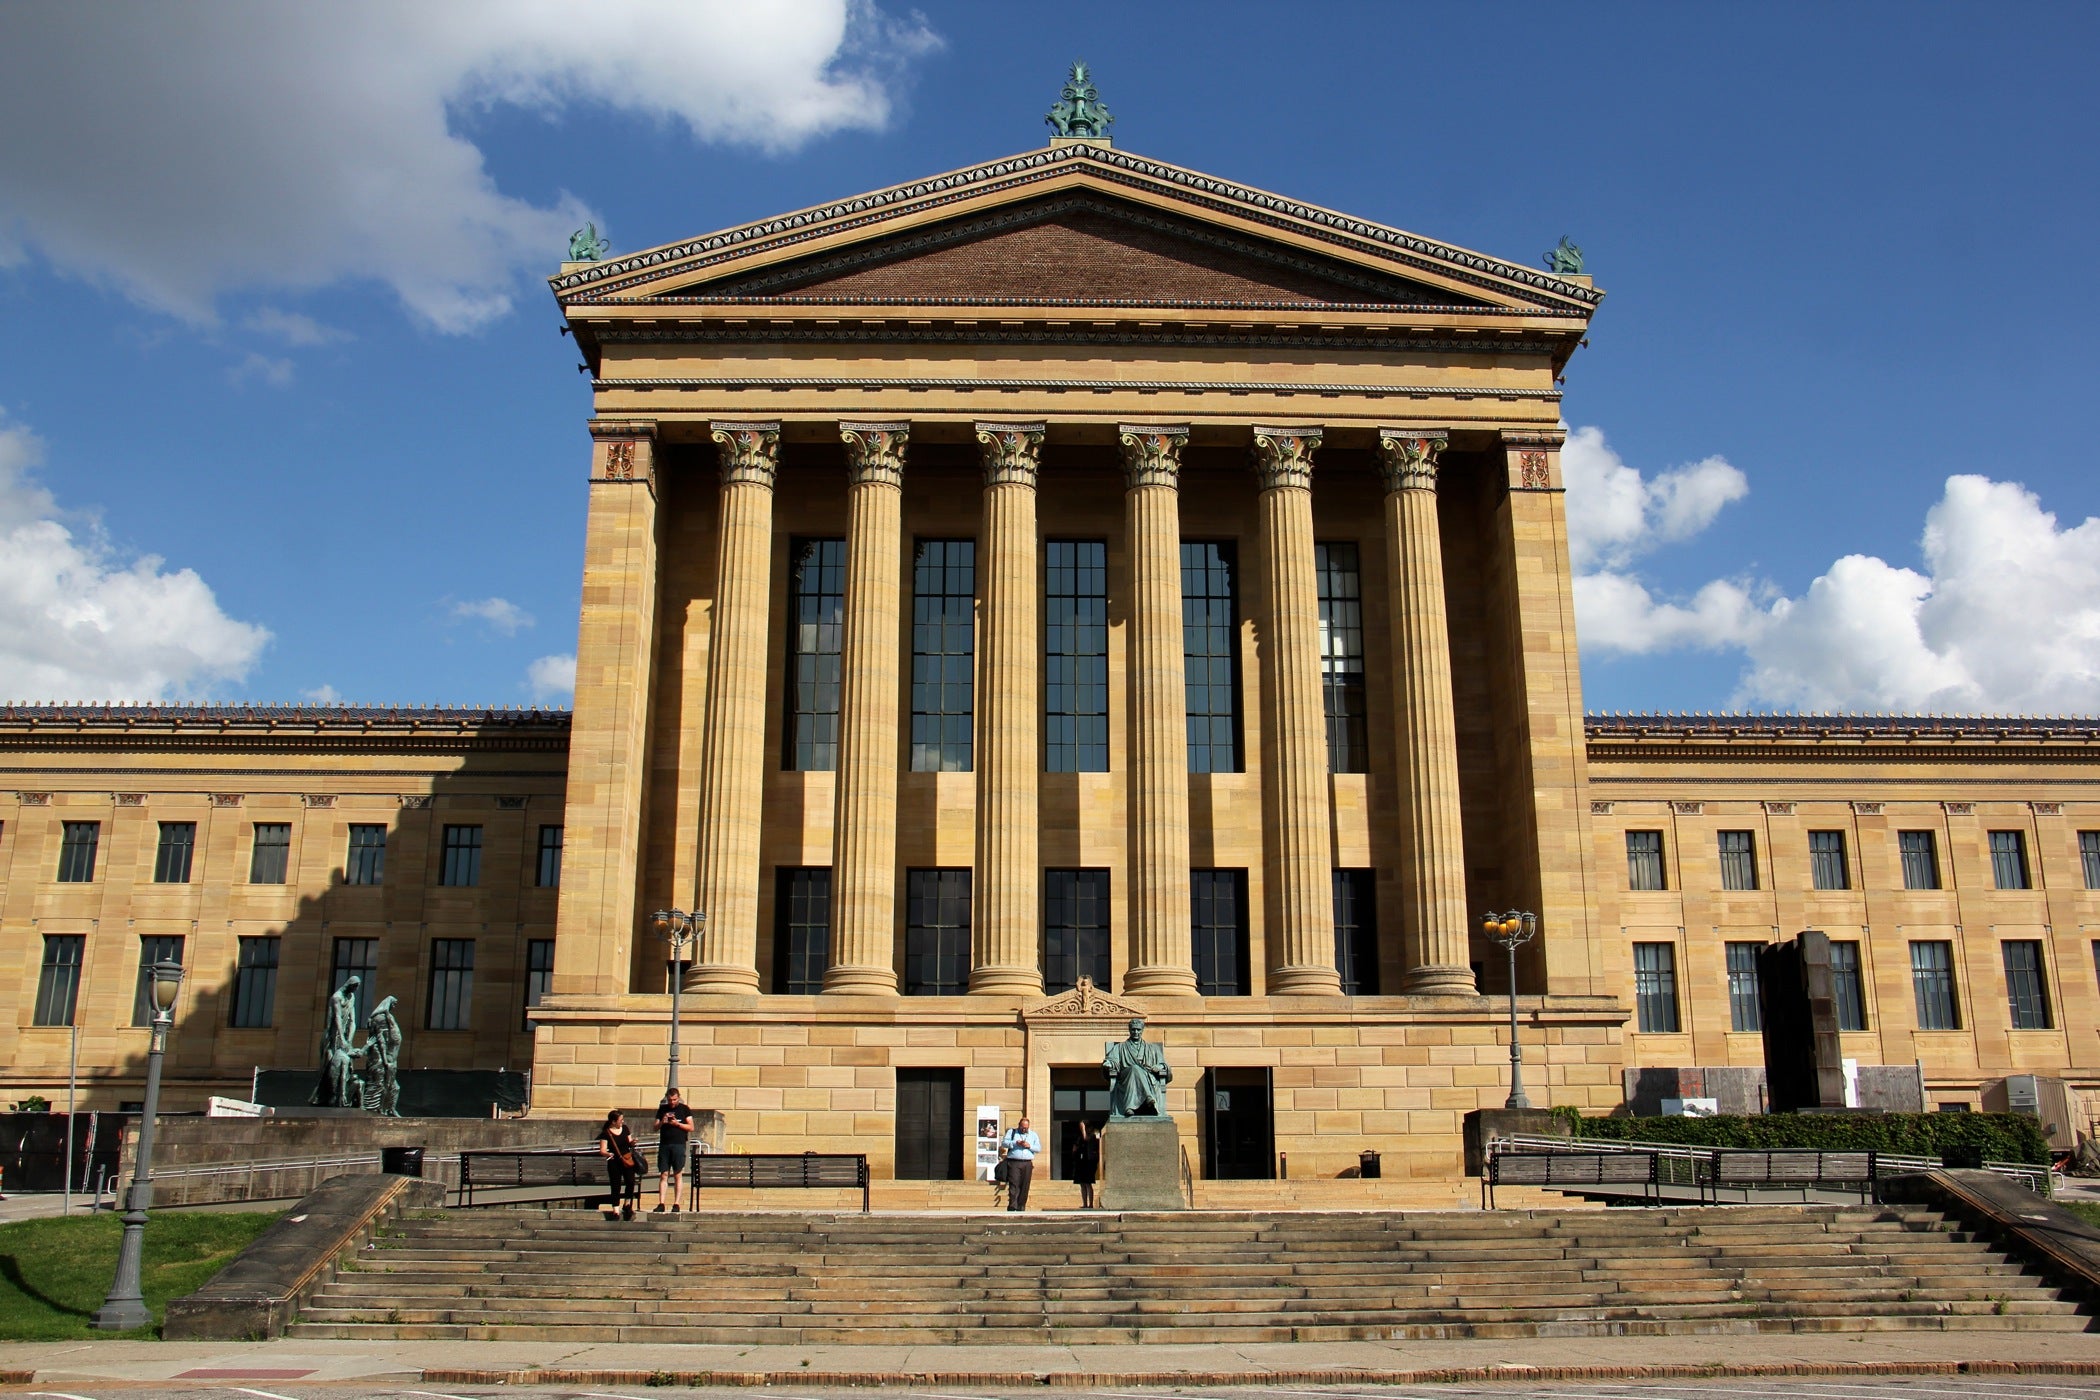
(1076, 1096)
(1239, 1135)
(930, 1125)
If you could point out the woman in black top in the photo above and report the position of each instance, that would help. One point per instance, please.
(623, 1166)
(1085, 1160)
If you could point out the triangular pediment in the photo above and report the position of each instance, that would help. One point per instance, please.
(1083, 1002)
(1073, 224)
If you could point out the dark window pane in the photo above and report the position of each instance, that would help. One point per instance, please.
(153, 949)
(937, 933)
(1921, 859)
(944, 654)
(1655, 987)
(76, 853)
(365, 864)
(255, 984)
(1075, 656)
(462, 856)
(451, 983)
(1826, 861)
(270, 858)
(1644, 860)
(539, 974)
(1932, 982)
(2009, 859)
(2089, 857)
(359, 958)
(1342, 655)
(1744, 1013)
(801, 929)
(1075, 928)
(1356, 931)
(1218, 928)
(58, 982)
(1848, 987)
(1738, 860)
(548, 872)
(1210, 646)
(2026, 989)
(816, 627)
(178, 847)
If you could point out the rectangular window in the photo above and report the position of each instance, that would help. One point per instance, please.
(1356, 931)
(937, 933)
(539, 974)
(1738, 860)
(271, 855)
(1644, 860)
(365, 864)
(548, 873)
(58, 984)
(154, 948)
(76, 853)
(2009, 859)
(1826, 861)
(1075, 928)
(1932, 983)
(1848, 986)
(1218, 925)
(1655, 986)
(462, 862)
(2026, 988)
(801, 929)
(1342, 655)
(1744, 1013)
(1211, 655)
(2089, 857)
(178, 847)
(1075, 656)
(359, 958)
(943, 654)
(451, 983)
(254, 1001)
(1921, 859)
(816, 626)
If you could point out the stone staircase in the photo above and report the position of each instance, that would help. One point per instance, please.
(849, 1279)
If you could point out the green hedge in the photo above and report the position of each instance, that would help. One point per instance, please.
(2003, 1137)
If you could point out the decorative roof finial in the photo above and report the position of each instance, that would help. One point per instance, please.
(586, 246)
(1079, 111)
(1564, 259)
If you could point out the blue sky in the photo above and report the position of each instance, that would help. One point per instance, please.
(280, 359)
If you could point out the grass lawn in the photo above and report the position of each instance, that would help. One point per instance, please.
(2089, 1211)
(55, 1273)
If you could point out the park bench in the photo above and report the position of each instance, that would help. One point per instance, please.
(546, 1169)
(1566, 1169)
(765, 1170)
(1800, 1168)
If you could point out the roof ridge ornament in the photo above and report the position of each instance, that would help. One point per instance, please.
(1564, 259)
(1079, 114)
(586, 246)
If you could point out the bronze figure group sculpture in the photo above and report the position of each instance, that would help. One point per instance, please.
(378, 1088)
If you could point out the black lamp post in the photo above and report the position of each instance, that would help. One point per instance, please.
(1513, 930)
(125, 1307)
(680, 930)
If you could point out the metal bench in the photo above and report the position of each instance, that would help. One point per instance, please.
(763, 1170)
(1795, 1167)
(540, 1169)
(1566, 1169)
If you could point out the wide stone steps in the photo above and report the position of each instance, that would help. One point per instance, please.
(850, 1279)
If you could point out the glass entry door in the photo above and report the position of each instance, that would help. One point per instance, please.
(1076, 1096)
(1239, 1134)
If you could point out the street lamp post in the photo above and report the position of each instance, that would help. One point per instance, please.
(1513, 930)
(125, 1307)
(679, 929)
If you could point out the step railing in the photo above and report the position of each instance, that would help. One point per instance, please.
(1678, 1164)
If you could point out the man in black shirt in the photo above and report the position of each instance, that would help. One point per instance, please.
(674, 1128)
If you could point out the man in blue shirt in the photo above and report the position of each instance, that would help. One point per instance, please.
(1021, 1146)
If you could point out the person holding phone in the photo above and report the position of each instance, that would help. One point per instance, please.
(1021, 1145)
(674, 1128)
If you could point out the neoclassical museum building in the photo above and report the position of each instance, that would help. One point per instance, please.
(1064, 586)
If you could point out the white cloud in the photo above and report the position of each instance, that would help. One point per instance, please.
(1614, 515)
(178, 151)
(322, 695)
(292, 327)
(264, 369)
(552, 679)
(499, 614)
(80, 620)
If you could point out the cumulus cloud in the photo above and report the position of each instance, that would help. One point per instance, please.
(81, 620)
(2003, 615)
(322, 695)
(184, 150)
(292, 327)
(497, 614)
(552, 679)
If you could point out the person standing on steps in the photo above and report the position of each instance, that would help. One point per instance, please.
(674, 1127)
(1085, 1159)
(623, 1166)
(1021, 1146)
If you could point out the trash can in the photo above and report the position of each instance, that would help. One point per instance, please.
(1367, 1165)
(401, 1161)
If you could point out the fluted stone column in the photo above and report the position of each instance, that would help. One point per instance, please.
(1432, 846)
(732, 779)
(864, 825)
(1006, 914)
(1160, 958)
(1294, 771)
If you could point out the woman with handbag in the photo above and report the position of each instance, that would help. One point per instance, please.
(623, 1166)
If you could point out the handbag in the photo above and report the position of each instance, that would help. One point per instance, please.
(1000, 1173)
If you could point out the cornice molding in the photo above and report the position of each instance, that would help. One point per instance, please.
(861, 383)
(773, 333)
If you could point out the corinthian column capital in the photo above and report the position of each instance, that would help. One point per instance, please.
(1283, 457)
(1409, 457)
(750, 452)
(1012, 452)
(1152, 452)
(875, 452)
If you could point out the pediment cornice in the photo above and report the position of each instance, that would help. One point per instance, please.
(1083, 1003)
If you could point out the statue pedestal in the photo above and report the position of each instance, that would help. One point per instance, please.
(1141, 1166)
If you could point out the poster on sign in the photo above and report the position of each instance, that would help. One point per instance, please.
(988, 1120)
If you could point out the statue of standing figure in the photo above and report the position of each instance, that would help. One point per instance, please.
(383, 1057)
(340, 1086)
(1138, 1075)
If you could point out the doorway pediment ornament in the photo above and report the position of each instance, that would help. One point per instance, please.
(1084, 1000)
